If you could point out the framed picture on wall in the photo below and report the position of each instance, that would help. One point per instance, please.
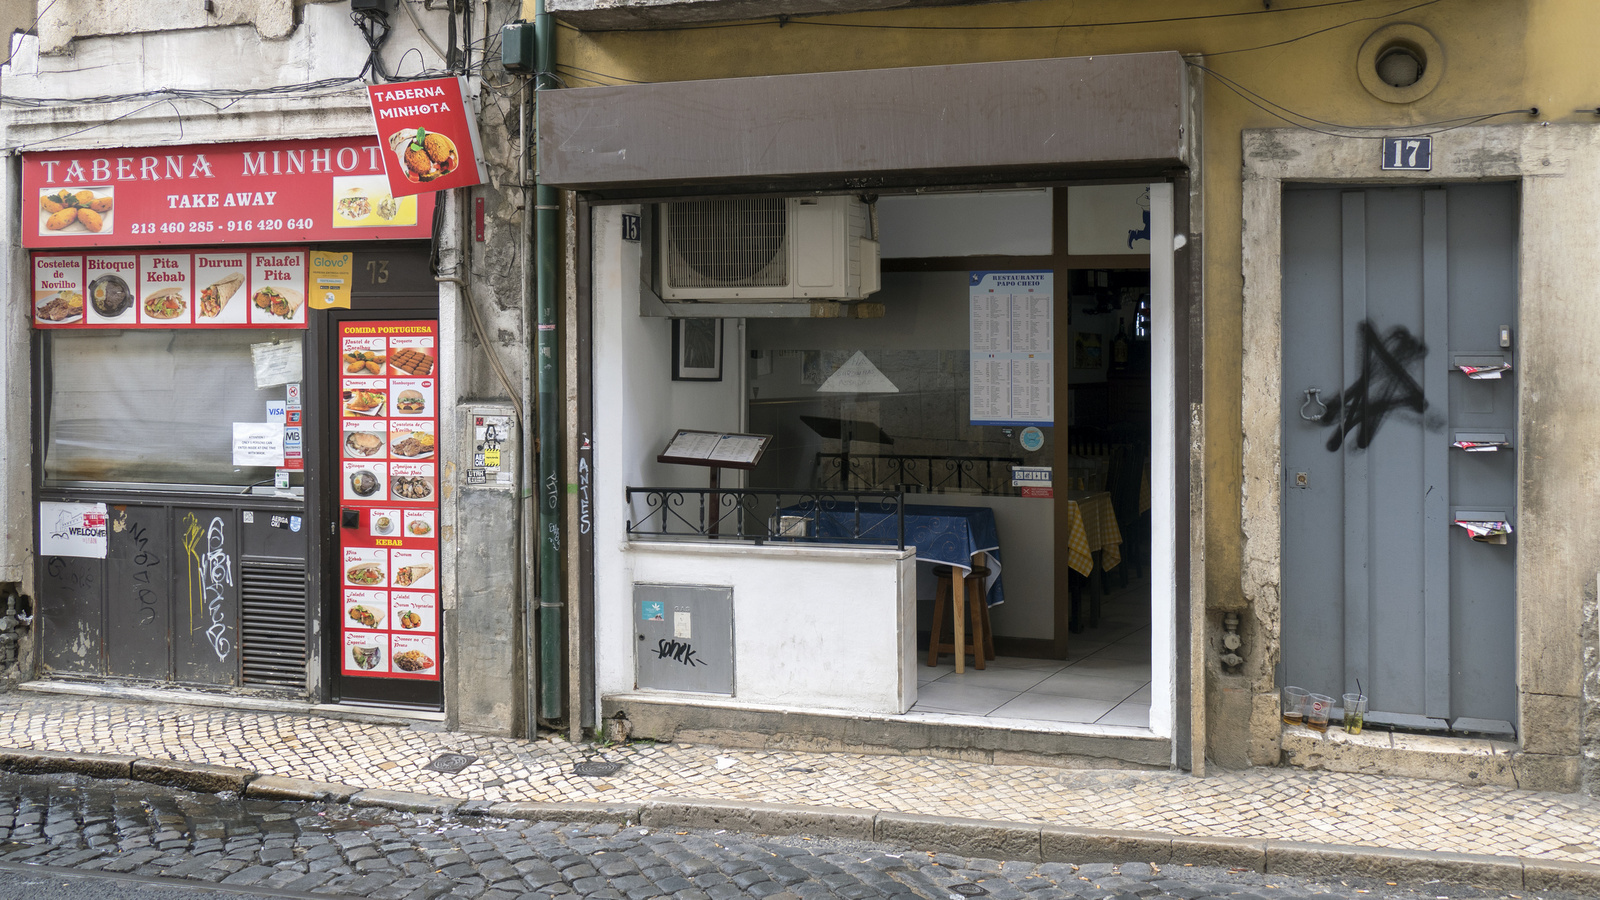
(696, 349)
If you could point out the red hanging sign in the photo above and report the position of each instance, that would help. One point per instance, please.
(389, 558)
(257, 192)
(428, 134)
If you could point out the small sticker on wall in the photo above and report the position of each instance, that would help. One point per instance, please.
(680, 624)
(652, 611)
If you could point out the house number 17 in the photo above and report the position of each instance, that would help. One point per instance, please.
(1414, 154)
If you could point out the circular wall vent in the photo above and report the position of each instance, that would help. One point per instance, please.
(1400, 66)
(1400, 63)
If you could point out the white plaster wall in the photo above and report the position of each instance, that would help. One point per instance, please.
(63, 20)
(813, 628)
(637, 408)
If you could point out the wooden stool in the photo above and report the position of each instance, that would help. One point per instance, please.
(980, 643)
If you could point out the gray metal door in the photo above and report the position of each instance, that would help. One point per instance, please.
(1387, 292)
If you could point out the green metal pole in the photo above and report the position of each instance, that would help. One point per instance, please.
(548, 491)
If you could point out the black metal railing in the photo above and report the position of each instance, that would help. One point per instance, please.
(918, 472)
(760, 515)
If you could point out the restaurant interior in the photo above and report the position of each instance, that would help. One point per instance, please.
(884, 403)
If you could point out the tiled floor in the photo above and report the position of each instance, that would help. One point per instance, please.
(1105, 679)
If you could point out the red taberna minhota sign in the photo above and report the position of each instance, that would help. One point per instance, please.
(257, 192)
(430, 134)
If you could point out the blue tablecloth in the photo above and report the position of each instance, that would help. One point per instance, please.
(948, 535)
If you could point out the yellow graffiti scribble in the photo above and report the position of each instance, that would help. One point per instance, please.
(191, 546)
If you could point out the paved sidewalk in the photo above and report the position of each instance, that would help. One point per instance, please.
(1277, 804)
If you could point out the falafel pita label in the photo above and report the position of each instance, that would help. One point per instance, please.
(278, 287)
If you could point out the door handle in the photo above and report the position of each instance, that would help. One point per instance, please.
(1313, 395)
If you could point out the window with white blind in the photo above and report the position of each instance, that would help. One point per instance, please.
(153, 407)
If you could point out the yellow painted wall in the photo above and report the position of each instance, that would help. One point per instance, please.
(1499, 55)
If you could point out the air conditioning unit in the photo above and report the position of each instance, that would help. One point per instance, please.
(766, 248)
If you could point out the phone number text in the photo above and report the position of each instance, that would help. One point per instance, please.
(205, 227)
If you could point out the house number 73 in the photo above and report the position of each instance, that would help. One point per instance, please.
(1414, 154)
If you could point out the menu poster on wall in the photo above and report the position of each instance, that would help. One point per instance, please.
(243, 288)
(259, 192)
(387, 398)
(1012, 347)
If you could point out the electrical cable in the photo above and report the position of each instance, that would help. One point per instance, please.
(1188, 57)
(1273, 109)
(1229, 82)
(465, 268)
(32, 28)
(426, 38)
(783, 21)
(1322, 30)
(1157, 21)
(601, 74)
(187, 94)
(563, 80)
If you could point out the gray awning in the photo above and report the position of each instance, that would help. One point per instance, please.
(979, 123)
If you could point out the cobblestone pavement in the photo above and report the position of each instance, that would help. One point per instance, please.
(1284, 804)
(144, 830)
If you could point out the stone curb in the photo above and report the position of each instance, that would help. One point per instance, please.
(405, 801)
(623, 814)
(43, 762)
(278, 787)
(760, 818)
(950, 834)
(191, 776)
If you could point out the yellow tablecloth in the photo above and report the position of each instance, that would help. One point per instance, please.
(1092, 526)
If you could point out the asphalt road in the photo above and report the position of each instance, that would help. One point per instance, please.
(68, 837)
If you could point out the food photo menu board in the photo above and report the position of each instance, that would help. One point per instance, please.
(387, 398)
(199, 288)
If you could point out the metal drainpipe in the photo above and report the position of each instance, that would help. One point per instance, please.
(551, 594)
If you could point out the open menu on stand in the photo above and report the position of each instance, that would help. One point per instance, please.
(711, 448)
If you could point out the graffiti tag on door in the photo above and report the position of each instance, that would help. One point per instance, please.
(213, 569)
(1384, 386)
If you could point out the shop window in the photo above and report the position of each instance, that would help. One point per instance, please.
(879, 403)
(153, 407)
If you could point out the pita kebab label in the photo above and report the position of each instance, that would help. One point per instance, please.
(192, 288)
(164, 295)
